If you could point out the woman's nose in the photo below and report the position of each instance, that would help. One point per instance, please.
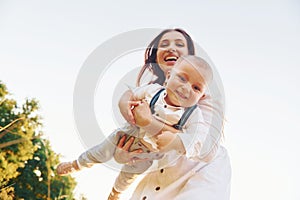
(172, 48)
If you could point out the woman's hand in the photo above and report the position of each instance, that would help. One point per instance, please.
(126, 105)
(122, 154)
(142, 114)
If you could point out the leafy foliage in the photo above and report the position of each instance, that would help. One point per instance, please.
(26, 160)
(38, 179)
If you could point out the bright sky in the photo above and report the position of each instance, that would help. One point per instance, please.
(254, 45)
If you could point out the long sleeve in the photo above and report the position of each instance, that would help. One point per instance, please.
(194, 135)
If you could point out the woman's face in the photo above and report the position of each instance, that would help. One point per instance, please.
(171, 46)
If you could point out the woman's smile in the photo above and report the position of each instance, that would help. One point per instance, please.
(170, 59)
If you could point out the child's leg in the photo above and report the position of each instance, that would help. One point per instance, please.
(114, 195)
(66, 168)
(101, 152)
(97, 154)
(105, 151)
(129, 173)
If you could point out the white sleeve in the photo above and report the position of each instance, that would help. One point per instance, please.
(194, 135)
(212, 106)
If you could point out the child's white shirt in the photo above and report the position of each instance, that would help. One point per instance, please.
(194, 130)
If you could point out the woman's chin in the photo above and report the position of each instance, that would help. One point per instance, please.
(170, 63)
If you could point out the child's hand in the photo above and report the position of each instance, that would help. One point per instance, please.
(165, 141)
(126, 110)
(168, 141)
(126, 103)
(142, 114)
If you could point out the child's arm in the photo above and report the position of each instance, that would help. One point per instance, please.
(144, 119)
(137, 115)
(126, 103)
(132, 98)
(168, 141)
(190, 141)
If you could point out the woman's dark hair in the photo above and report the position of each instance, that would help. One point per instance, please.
(151, 54)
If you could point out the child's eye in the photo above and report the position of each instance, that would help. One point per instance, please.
(197, 88)
(181, 78)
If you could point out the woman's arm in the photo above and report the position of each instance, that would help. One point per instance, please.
(194, 135)
(190, 141)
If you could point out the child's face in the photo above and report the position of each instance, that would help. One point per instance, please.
(185, 85)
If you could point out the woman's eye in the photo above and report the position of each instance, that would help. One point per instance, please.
(180, 44)
(164, 44)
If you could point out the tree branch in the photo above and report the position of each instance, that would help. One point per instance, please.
(7, 126)
(2, 101)
(6, 144)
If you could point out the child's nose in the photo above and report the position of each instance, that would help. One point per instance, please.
(187, 87)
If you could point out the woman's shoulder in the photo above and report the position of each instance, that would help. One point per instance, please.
(152, 87)
(147, 90)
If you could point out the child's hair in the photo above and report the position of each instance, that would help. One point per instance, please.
(151, 55)
(200, 65)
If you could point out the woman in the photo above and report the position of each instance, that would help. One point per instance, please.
(208, 178)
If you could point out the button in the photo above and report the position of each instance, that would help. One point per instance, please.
(165, 106)
(144, 198)
(157, 188)
(162, 171)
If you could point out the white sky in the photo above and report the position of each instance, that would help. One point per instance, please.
(255, 46)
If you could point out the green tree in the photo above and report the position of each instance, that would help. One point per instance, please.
(26, 160)
(38, 179)
(18, 126)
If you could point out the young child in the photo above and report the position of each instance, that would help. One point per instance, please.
(174, 105)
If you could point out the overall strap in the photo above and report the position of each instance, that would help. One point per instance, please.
(184, 117)
(154, 100)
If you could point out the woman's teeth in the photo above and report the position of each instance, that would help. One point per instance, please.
(172, 58)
